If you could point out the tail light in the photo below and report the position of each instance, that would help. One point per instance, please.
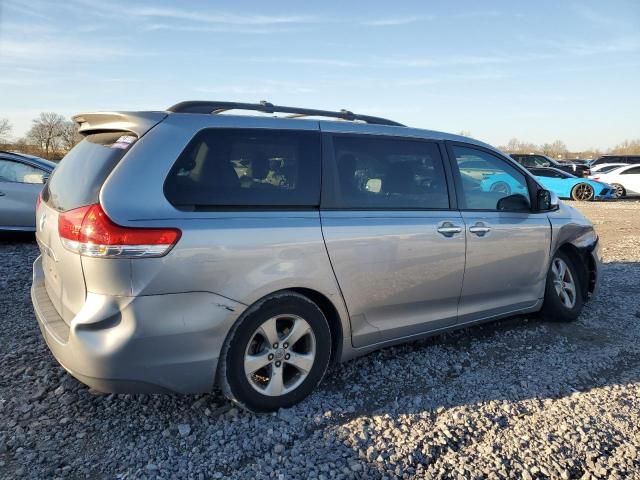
(595, 178)
(88, 231)
(38, 200)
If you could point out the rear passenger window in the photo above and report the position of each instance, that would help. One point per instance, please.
(381, 173)
(247, 167)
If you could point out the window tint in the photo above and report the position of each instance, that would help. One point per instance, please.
(608, 168)
(383, 173)
(11, 171)
(498, 180)
(541, 172)
(77, 180)
(247, 167)
(631, 171)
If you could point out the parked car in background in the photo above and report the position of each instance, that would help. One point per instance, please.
(566, 185)
(21, 180)
(257, 250)
(624, 180)
(605, 167)
(626, 159)
(532, 160)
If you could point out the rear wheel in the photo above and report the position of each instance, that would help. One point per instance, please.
(582, 192)
(563, 299)
(277, 354)
(501, 187)
(618, 190)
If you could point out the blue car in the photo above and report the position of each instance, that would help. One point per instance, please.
(561, 183)
(566, 185)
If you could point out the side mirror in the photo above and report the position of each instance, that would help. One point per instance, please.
(547, 200)
(514, 203)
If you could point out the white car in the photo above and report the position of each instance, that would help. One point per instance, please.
(605, 167)
(624, 180)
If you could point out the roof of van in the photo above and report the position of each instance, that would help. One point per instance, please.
(333, 121)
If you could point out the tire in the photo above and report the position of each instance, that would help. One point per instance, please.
(278, 383)
(501, 187)
(618, 190)
(556, 308)
(582, 192)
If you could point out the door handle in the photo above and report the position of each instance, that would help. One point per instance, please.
(480, 229)
(2, 194)
(448, 229)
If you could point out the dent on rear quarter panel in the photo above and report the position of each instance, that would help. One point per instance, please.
(108, 276)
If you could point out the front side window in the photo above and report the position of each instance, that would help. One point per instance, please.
(631, 171)
(247, 167)
(501, 187)
(387, 173)
(18, 172)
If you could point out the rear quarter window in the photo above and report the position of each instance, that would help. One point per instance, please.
(77, 180)
(226, 168)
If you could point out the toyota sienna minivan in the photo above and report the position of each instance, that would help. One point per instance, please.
(189, 249)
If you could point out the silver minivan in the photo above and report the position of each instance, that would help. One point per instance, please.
(190, 249)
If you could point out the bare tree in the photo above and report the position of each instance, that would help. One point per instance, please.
(46, 131)
(5, 130)
(516, 146)
(555, 150)
(69, 135)
(628, 147)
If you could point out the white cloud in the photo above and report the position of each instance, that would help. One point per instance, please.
(392, 22)
(453, 60)
(327, 62)
(218, 18)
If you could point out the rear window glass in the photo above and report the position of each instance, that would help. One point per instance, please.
(77, 180)
(247, 167)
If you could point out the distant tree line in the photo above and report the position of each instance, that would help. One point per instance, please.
(559, 150)
(51, 136)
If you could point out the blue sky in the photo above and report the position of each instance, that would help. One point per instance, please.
(538, 71)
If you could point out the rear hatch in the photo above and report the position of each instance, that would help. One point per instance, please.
(76, 182)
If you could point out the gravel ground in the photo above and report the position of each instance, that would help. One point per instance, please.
(513, 399)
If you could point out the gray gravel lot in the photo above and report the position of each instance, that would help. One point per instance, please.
(513, 399)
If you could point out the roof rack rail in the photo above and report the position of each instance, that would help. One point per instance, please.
(214, 107)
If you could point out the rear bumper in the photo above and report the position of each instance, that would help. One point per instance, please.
(145, 344)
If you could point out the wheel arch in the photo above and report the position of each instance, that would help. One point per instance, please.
(328, 308)
(584, 265)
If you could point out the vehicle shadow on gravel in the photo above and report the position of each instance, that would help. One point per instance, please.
(411, 407)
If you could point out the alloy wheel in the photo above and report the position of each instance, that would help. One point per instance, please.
(563, 283)
(501, 187)
(280, 355)
(618, 190)
(583, 192)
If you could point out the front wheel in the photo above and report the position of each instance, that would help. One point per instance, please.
(277, 354)
(563, 299)
(582, 192)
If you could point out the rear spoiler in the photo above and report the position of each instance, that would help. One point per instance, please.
(136, 122)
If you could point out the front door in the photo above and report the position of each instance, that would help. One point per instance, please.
(507, 242)
(395, 245)
(20, 185)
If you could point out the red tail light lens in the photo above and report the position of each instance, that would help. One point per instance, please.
(88, 231)
(595, 178)
(38, 200)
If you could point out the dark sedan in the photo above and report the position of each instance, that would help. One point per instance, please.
(534, 160)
